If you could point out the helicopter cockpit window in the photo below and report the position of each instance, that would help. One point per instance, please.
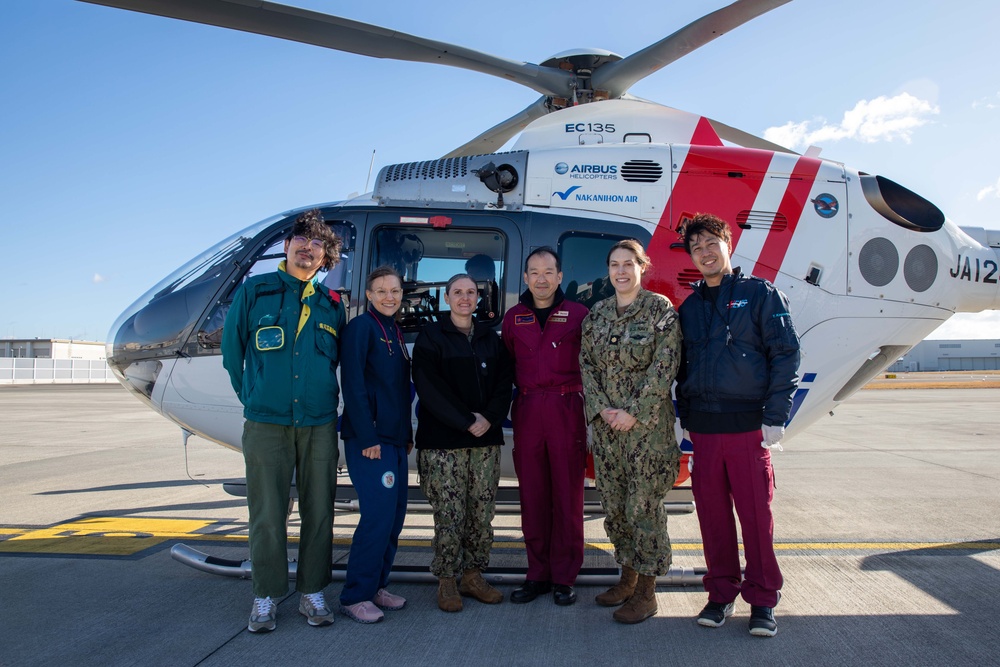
(338, 279)
(584, 266)
(427, 258)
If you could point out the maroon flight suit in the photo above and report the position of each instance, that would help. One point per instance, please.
(550, 435)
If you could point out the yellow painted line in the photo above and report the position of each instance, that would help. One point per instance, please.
(126, 536)
(101, 536)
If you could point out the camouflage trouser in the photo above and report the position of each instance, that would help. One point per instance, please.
(461, 485)
(634, 475)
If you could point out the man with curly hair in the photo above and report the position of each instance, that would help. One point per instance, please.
(281, 344)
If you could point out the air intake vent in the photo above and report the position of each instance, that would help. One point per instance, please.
(878, 261)
(453, 167)
(642, 171)
(687, 276)
(920, 268)
(767, 220)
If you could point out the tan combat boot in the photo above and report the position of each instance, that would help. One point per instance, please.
(621, 591)
(475, 586)
(448, 598)
(642, 604)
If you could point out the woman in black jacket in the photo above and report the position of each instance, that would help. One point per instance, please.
(463, 379)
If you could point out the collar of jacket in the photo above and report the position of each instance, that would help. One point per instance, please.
(528, 300)
(477, 327)
(388, 322)
(700, 285)
(295, 282)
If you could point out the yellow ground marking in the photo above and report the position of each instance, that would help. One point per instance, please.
(126, 536)
(102, 536)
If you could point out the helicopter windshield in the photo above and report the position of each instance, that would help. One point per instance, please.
(189, 288)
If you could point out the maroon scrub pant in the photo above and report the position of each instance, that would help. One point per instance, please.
(733, 469)
(550, 455)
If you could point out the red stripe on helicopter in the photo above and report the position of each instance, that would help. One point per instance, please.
(792, 204)
(712, 179)
(705, 134)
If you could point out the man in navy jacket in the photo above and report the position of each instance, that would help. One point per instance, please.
(734, 395)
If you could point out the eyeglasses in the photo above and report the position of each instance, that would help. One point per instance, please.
(317, 244)
(394, 293)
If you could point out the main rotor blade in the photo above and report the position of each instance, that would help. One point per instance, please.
(333, 32)
(745, 139)
(618, 77)
(495, 137)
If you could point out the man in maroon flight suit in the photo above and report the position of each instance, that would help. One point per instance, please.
(542, 333)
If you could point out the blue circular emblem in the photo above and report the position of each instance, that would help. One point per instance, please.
(388, 480)
(561, 167)
(826, 205)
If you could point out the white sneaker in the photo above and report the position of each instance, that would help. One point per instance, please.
(313, 607)
(262, 615)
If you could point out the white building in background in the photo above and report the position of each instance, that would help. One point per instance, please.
(950, 355)
(51, 348)
(53, 361)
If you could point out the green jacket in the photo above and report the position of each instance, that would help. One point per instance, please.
(291, 382)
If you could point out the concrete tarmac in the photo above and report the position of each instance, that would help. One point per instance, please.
(887, 527)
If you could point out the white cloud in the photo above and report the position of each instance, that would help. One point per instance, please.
(98, 278)
(989, 191)
(881, 119)
(988, 102)
(976, 326)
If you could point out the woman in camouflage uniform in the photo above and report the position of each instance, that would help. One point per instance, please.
(629, 358)
(463, 377)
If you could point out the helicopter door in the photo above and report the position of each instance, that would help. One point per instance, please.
(427, 249)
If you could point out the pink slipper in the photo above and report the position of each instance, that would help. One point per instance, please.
(363, 612)
(386, 600)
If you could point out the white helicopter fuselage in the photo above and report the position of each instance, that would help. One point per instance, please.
(869, 268)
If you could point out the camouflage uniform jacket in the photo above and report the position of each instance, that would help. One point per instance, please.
(630, 361)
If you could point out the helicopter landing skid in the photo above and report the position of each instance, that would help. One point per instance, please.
(410, 574)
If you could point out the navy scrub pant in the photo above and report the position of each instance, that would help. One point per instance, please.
(381, 485)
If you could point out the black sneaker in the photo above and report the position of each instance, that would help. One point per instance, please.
(762, 622)
(715, 614)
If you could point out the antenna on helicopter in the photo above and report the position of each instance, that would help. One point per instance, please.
(370, 165)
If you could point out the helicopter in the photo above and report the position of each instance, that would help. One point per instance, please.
(870, 268)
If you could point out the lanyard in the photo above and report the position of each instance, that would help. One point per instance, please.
(725, 315)
(385, 336)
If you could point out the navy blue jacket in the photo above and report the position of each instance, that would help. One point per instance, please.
(741, 353)
(375, 383)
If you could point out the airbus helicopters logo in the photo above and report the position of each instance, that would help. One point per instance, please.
(588, 171)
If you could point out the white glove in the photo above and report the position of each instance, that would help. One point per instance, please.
(687, 436)
(772, 437)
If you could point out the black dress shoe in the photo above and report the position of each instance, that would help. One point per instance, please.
(529, 590)
(564, 595)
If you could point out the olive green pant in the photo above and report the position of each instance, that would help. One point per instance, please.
(272, 453)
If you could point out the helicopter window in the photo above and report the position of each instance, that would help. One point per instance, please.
(427, 258)
(210, 333)
(584, 266)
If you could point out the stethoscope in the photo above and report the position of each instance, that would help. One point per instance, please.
(385, 336)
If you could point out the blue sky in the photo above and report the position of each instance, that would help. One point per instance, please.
(129, 143)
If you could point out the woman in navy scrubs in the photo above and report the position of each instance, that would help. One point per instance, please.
(378, 435)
